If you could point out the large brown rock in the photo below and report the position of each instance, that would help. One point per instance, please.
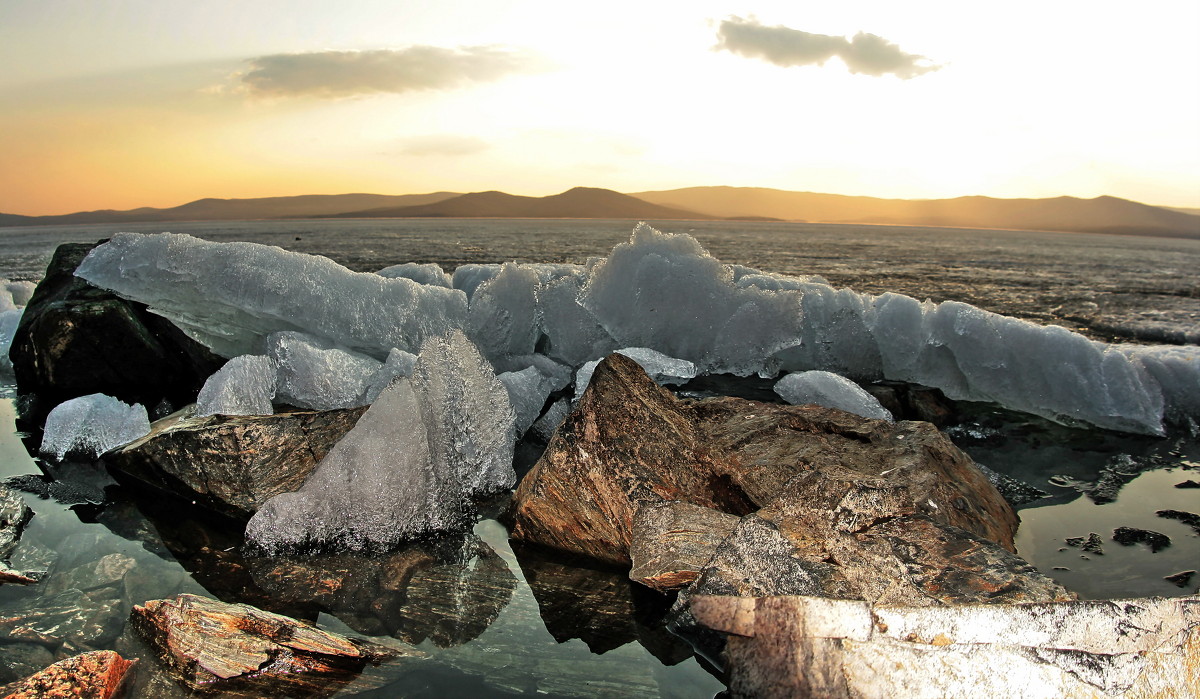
(806, 646)
(674, 541)
(99, 674)
(233, 464)
(75, 339)
(630, 442)
(243, 651)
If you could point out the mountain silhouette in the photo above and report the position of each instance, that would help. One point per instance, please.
(580, 202)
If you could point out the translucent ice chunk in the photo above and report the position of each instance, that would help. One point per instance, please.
(15, 294)
(409, 467)
(428, 273)
(244, 386)
(528, 390)
(559, 375)
(503, 315)
(832, 391)
(314, 375)
(8, 328)
(572, 333)
(468, 277)
(399, 363)
(660, 367)
(229, 296)
(91, 425)
(1176, 369)
(545, 425)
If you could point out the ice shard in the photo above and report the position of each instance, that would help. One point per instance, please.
(244, 386)
(314, 374)
(91, 425)
(832, 391)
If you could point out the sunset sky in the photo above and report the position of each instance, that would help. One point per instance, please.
(118, 104)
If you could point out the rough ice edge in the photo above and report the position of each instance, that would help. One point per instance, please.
(832, 391)
(244, 386)
(92, 425)
(662, 369)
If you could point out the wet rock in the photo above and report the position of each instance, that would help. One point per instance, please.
(14, 513)
(19, 660)
(96, 675)
(75, 339)
(1180, 579)
(1092, 543)
(672, 541)
(1188, 484)
(232, 464)
(243, 651)
(806, 646)
(70, 622)
(1189, 518)
(1016, 492)
(1128, 536)
(447, 591)
(62, 492)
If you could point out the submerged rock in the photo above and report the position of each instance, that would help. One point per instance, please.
(1128, 536)
(806, 646)
(233, 464)
(75, 339)
(14, 513)
(99, 674)
(244, 651)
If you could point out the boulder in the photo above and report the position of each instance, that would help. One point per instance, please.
(232, 464)
(243, 651)
(75, 339)
(673, 541)
(99, 674)
(808, 646)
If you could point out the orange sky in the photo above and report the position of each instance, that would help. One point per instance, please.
(119, 105)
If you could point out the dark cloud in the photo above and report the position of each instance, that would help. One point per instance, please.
(348, 73)
(443, 144)
(865, 53)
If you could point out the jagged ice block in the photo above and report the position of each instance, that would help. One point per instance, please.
(91, 425)
(244, 386)
(832, 391)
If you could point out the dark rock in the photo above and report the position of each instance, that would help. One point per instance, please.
(814, 647)
(19, 660)
(1092, 543)
(1180, 579)
(672, 541)
(1128, 536)
(1188, 518)
(71, 621)
(75, 339)
(62, 492)
(14, 513)
(232, 464)
(243, 651)
(1188, 484)
(1016, 492)
(99, 674)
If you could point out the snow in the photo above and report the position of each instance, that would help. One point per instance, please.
(91, 425)
(832, 391)
(660, 367)
(244, 386)
(411, 465)
(313, 374)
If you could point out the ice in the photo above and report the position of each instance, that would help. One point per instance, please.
(91, 425)
(230, 296)
(1177, 370)
(529, 388)
(244, 386)
(545, 425)
(409, 467)
(660, 367)
(468, 277)
(429, 273)
(9, 320)
(503, 315)
(667, 293)
(572, 333)
(15, 295)
(399, 364)
(832, 391)
(315, 375)
(558, 374)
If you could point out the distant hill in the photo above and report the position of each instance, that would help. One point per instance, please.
(1099, 215)
(306, 206)
(580, 202)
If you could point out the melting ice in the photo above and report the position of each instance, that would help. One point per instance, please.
(91, 425)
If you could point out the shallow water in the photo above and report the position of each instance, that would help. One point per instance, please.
(497, 620)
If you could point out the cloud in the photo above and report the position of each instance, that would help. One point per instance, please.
(865, 53)
(443, 144)
(332, 74)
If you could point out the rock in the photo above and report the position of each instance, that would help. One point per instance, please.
(99, 674)
(630, 442)
(75, 339)
(806, 646)
(72, 621)
(14, 513)
(232, 464)
(1189, 518)
(1188, 484)
(672, 541)
(1092, 544)
(1128, 536)
(1180, 579)
(21, 660)
(607, 458)
(238, 649)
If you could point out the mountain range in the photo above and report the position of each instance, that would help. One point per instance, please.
(1098, 215)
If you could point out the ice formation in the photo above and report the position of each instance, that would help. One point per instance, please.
(398, 364)
(316, 375)
(503, 318)
(409, 467)
(545, 425)
(15, 294)
(660, 367)
(244, 386)
(229, 296)
(9, 320)
(832, 391)
(91, 425)
(528, 391)
(429, 273)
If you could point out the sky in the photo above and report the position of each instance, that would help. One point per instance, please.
(126, 103)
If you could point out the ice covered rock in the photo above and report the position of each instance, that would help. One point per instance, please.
(831, 391)
(244, 386)
(91, 425)
(409, 467)
(230, 296)
(660, 367)
(399, 363)
(316, 375)
(429, 273)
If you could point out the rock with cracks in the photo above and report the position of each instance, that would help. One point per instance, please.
(99, 674)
